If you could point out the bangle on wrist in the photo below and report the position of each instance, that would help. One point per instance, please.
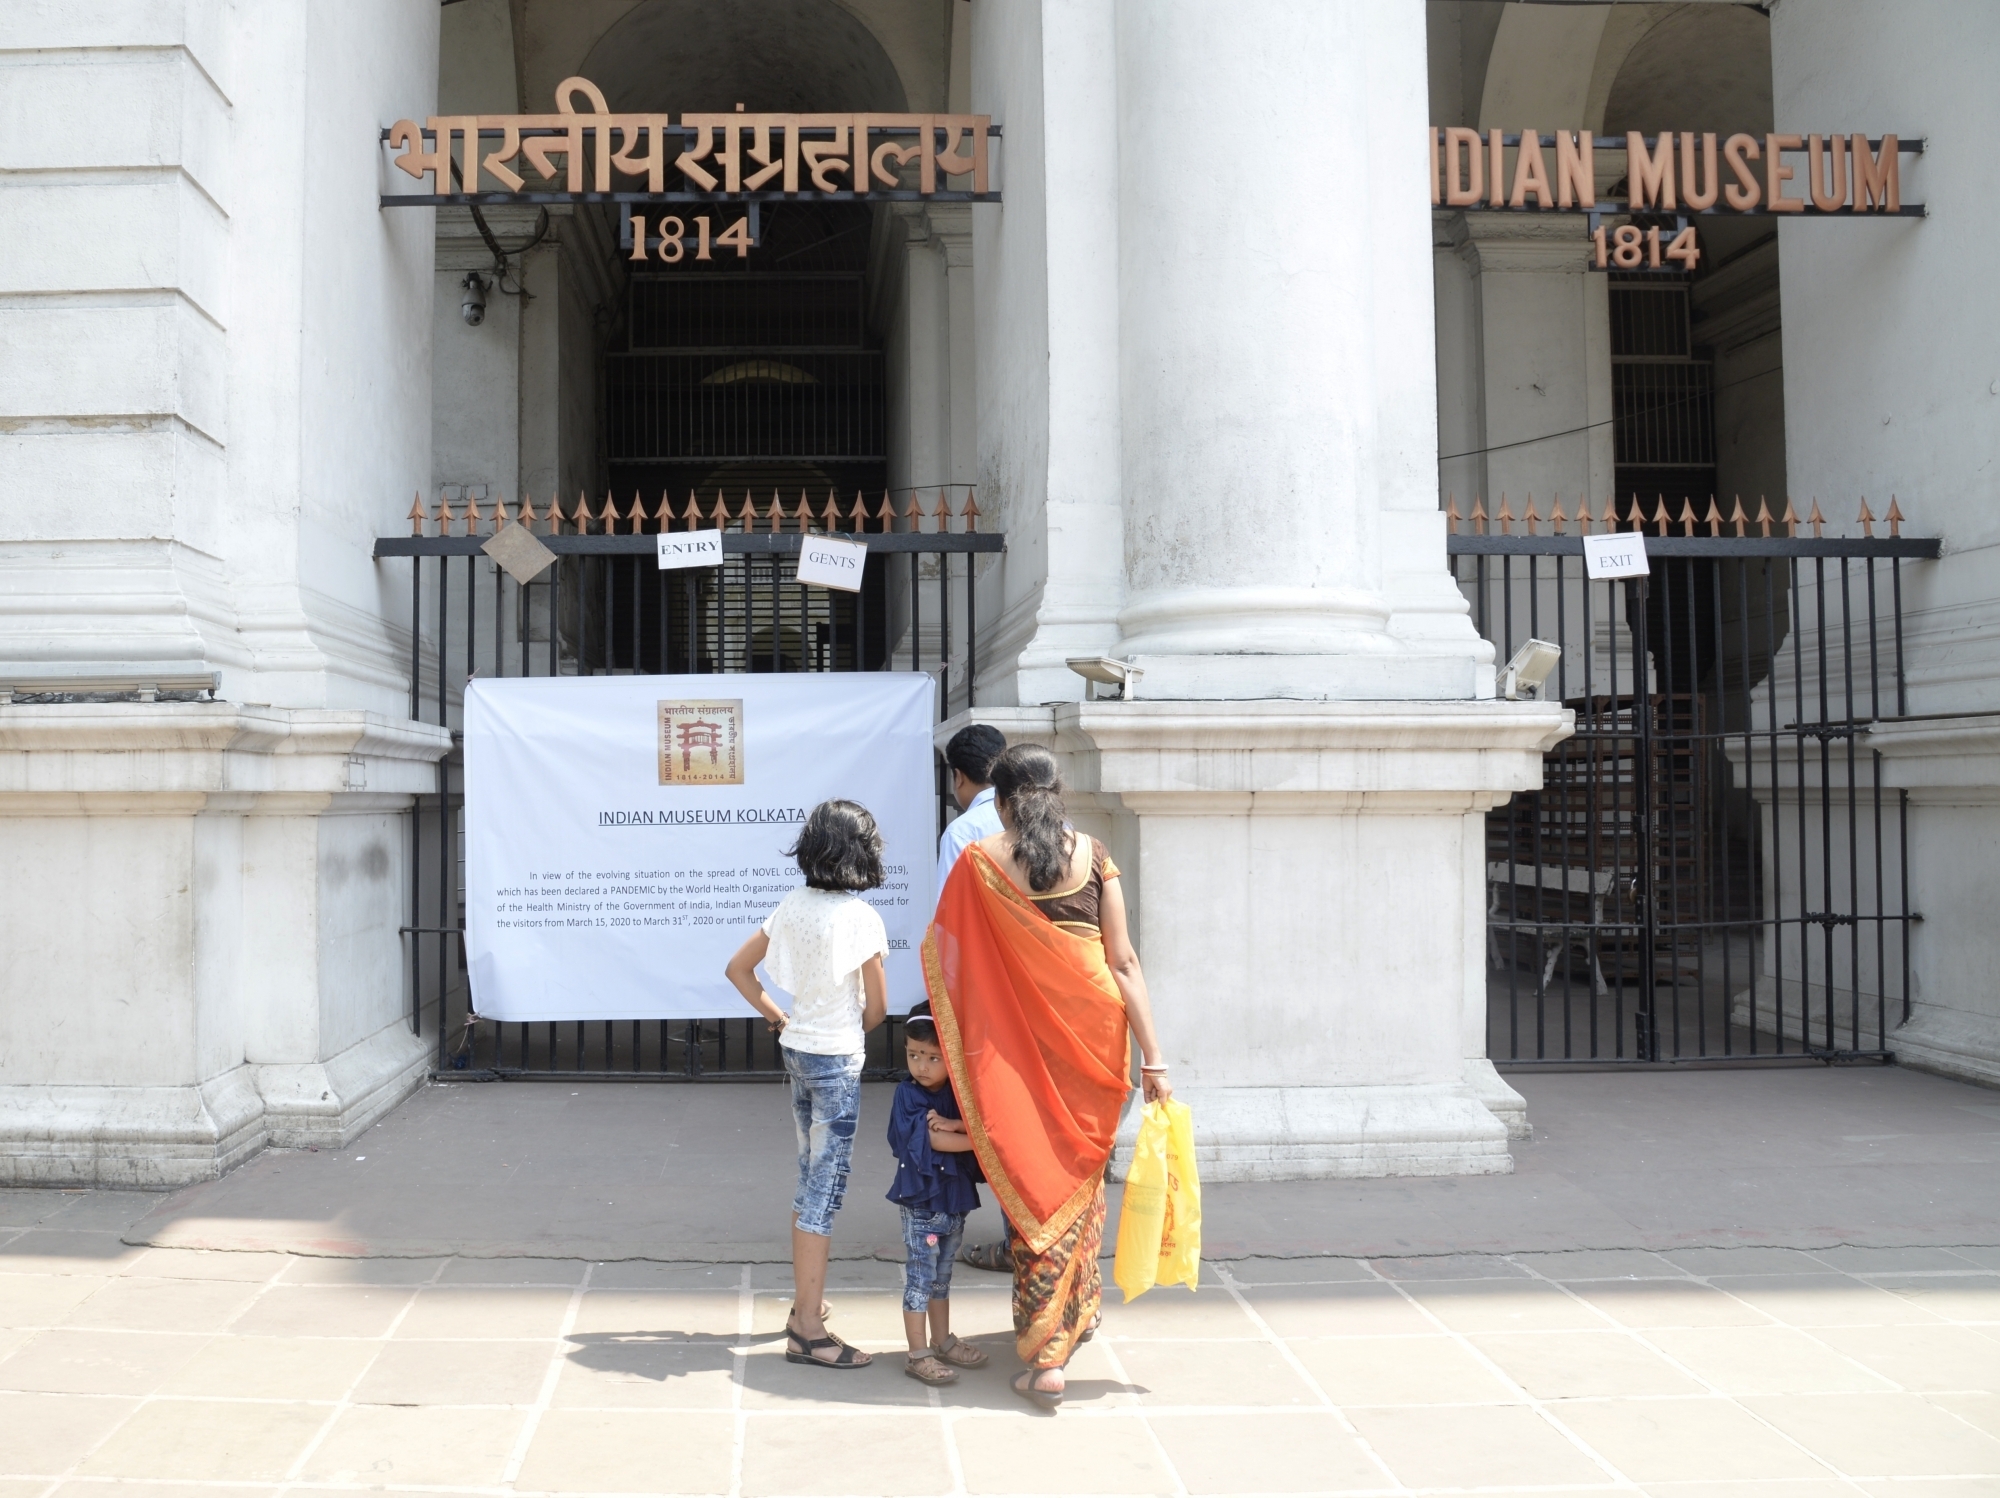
(1159, 1070)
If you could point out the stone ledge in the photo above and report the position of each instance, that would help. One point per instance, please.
(145, 1138)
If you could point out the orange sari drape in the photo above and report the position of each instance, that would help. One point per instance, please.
(1033, 1031)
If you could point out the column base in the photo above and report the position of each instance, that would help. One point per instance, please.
(130, 1138)
(1335, 1133)
(1388, 677)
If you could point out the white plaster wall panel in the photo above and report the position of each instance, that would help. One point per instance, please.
(164, 359)
(219, 997)
(361, 900)
(476, 408)
(156, 231)
(63, 25)
(280, 962)
(146, 107)
(121, 1014)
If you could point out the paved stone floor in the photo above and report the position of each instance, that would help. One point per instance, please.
(1779, 1372)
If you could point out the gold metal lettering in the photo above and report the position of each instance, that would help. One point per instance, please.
(1745, 192)
(1776, 174)
(1820, 154)
(1875, 177)
(1649, 177)
(1691, 195)
(1531, 174)
(1576, 172)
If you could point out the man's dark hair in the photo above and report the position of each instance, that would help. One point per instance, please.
(972, 751)
(840, 847)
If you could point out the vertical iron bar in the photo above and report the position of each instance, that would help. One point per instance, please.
(443, 787)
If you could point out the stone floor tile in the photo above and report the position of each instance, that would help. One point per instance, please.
(1601, 1264)
(1809, 1487)
(1489, 1446)
(24, 1207)
(97, 1362)
(1649, 1303)
(771, 1383)
(67, 1251)
(639, 1274)
(1968, 1297)
(643, 1372)
(659, 1312)
(1686, 1440)
(853, 1274)
(303, 1271)
(1510, 1305)
(1979, 1258)
(1980, 1410)
(50, 1433)
(629, 1451)
(1174, 1313)
(1244, 1453)
(272, 1368)
(1027, 1454)
(509, 1313)
(191, 1440)
(1091, 1382)
(322, 1311)
(202, 1264)
(1765, 1360)
(112, 1487)
(1824, 1300)
(1931, 1487)
(859, 1454)
(1920, 1357)
(1584, 1365)
(1370, 1310)
(139, 1304)
(1400, 1370)
(1449, 1267)
(43, 1299)
(857, 1315)
(1904, 1435)
(1707, 1261)
(564, 1272)
(437, 1445)
(1298, 1271)
(24, 1487)
(1872, 1261)
(456, 1373)
(1232, 1373)
(114, 1211)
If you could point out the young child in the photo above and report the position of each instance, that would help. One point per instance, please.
(824, 945)
(935, 1176)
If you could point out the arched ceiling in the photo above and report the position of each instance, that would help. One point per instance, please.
(1702, 67)
(677, 55)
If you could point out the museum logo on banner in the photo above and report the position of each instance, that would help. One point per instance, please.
(701, 742)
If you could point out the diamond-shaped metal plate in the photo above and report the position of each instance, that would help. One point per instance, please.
(519, 551)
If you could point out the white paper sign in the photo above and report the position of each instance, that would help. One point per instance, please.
(1621, 554)
(690, 549)
(831, 563)
(626, 834)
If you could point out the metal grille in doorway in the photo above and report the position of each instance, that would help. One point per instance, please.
(604, 606)
(1713, 869)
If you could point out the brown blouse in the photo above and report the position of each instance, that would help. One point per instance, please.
(1077, 908)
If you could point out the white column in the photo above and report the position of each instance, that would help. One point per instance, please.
(1898, 393)
(216, 397)
(1046, 314)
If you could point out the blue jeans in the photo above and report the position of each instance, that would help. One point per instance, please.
(931, 1239)
(826, 1106)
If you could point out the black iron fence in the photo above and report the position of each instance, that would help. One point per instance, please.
(568, 593)
(1713, 868)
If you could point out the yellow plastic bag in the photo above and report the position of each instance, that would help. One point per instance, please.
(1159, 1225)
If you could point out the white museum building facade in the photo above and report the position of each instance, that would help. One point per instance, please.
(1224, 393)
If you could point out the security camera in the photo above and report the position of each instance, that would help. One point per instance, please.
(473, 306)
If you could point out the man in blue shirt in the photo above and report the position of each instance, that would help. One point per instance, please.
(970, 754)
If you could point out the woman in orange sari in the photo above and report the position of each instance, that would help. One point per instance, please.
(1035, 989)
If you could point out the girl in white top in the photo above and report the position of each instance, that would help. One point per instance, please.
(824, 945)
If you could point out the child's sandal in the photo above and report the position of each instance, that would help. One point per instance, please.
(926, 1368)
(961, 1353)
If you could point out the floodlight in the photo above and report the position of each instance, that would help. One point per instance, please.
(1529, 668)
(1103, 670)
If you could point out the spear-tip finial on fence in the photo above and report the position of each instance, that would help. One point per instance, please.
(1688, 521)
(1816, 520)
(1764, 521)
(1867, 518)
(1609, 519)
(528, 515)
(1894, 517)
(1506, 515)
(416, 516)
(886, 512)
(445, 516)
(1557, 519)
(1660, 516)
(943, 510)
(1790, 519)
(1739, 519)
(1714, 517)
(971, 508)
(1583, 514)
(1479, 514)
(1530, 517)
(1451, 515)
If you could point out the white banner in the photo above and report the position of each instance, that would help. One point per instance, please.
(625, 834)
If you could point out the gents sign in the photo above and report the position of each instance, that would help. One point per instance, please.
(1665, 173)
(711, 157)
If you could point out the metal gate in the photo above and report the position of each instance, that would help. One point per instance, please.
(603, 606)
(1713, 869)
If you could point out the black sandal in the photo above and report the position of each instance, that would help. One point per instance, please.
(798, 1349)
(993, 1257)
(1048, 1399)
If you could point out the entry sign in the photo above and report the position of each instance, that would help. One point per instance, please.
(1621, 554)
(831, 563)
(690, 549)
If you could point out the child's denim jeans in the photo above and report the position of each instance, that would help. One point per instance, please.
(826, 1106)
(931, 1239)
